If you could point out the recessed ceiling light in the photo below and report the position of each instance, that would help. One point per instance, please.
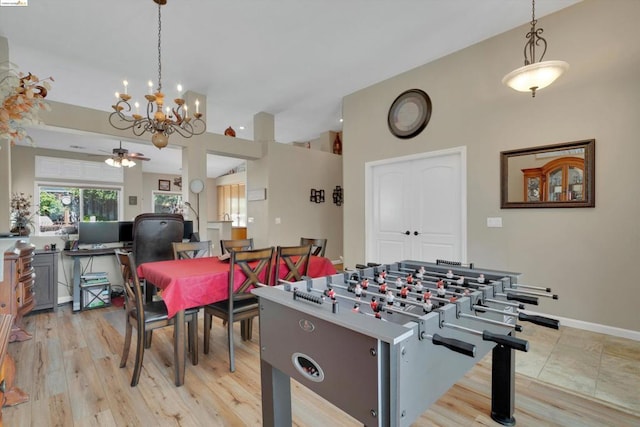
(241, 128)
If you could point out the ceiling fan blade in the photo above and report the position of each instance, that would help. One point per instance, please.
(138, 156)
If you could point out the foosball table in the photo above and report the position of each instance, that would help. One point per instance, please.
(383, 342)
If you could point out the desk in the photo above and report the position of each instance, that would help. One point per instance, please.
(188, 283)
(77, 269)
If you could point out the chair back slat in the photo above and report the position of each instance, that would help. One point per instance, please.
(254, 265)
(188, 250)
(293, 259)
(318, 246)
(227, 246)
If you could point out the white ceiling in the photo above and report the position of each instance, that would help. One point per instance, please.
(295, 59)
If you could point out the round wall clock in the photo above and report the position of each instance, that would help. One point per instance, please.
(409, 113)
(196, 186)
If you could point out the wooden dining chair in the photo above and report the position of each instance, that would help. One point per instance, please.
(226, 246)
(292, 262)
(318, 246)
(253, 267)
(187, 250)
(147, 316)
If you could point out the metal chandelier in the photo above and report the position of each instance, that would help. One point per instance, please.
(158, 122)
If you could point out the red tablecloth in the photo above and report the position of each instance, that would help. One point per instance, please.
(195, 282)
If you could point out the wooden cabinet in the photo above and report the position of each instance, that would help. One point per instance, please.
(558, 180)
(16, 288)
(45, 264)
(9, 394)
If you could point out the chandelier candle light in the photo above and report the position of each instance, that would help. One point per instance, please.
(534, 75)
(160, 123)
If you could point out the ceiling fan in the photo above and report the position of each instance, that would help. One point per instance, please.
(121, 157)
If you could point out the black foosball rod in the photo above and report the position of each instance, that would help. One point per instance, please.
(535, 319)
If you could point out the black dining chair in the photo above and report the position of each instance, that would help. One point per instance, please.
(147, 316)
(153, 235)
(226, 246)
(242, 306)
(318, 246)
(292, 262)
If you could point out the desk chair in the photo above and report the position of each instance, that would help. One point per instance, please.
(186, 250)
(226, 246)
(146, 317)
(318, 246)
(255, 266)
(153, 235)
(285, 262)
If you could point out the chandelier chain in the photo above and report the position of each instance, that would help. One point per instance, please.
(159, 47)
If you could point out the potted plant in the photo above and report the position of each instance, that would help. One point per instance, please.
(21, 216)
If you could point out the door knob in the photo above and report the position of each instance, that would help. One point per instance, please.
(407, 232)
(415, 233)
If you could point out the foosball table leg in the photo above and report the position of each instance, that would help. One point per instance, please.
(276, 396)
(503, 372)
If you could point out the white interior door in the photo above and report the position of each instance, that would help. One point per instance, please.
(416, 208)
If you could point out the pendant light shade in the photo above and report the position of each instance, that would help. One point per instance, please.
(534, 75)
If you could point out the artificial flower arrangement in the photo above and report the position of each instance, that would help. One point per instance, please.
(21, 99)
(21, 216)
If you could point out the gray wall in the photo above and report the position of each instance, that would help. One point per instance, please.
(583, 254)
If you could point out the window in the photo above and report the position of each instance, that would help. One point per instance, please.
(61, 207)
(165, 202)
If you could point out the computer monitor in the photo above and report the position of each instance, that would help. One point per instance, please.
(188, 230)
(125, 232)
(98, 232)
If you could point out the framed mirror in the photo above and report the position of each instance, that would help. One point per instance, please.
(551, 176)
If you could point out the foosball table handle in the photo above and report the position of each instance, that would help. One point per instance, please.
(523, 298)
(506, 340)
(539, 320)
(453, 344)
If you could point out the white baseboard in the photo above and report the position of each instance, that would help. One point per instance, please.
(65, 299)
(594, 327)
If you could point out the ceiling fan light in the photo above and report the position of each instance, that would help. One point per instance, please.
(113, 162)
(535, 76)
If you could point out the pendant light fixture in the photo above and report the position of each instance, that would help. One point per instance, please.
(159, 122)
(534, 75)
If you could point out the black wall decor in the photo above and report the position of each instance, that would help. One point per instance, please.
(337, 195)
(316, 196)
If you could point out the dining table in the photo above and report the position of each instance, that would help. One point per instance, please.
(195, 282)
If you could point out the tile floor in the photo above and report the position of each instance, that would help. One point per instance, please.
(589, 363)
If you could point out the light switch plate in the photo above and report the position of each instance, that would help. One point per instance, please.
(494, 222)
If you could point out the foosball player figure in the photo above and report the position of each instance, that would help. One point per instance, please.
(330, 293)
(440, 291)
(374, 304)
(383, 288)
(427, 306)
(356, 308)
(365, 284)
(481, 278)
(390, 297)
(426, 296)
(398, 283)
(404, 292)
(418, 286)
(358, 290)
(380, 277)
(460, 281)
(409, 279)
(449, 274)
(420, 272)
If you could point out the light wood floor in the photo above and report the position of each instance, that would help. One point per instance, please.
(70, 369)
